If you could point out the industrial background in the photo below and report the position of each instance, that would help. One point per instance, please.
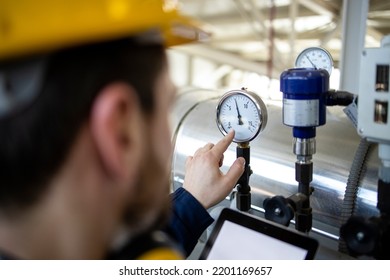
(253, 42)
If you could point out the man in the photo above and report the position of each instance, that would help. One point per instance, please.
(85, 141)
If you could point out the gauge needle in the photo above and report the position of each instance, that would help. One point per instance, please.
(238, 112)
(311, 62)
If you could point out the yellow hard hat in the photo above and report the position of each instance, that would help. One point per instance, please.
(35, 26)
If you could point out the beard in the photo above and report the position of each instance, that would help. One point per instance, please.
(149, 209)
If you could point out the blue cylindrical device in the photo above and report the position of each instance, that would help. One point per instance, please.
(304, 99)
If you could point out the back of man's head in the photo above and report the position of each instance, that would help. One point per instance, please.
(37, 135)
(55, 56)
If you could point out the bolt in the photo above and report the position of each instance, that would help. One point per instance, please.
(360, 236)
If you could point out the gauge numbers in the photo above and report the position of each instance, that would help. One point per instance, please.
(315, 57)
(242, 111)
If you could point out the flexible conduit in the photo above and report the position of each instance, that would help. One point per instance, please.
(352, 187)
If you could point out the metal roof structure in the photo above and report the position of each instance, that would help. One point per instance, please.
(267, 35)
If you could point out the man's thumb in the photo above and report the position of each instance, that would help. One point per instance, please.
(235, 171)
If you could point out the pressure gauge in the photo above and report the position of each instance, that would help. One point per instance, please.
(243, 111)
(315, 57)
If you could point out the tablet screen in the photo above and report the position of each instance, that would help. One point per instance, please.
(239, 236)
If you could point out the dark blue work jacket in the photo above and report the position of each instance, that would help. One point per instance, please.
(189, 220)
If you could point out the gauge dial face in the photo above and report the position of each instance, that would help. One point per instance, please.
(315, 57)
(242, 111)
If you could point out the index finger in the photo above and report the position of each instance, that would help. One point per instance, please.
(223, 144)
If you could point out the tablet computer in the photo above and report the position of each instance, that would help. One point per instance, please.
(242, 236)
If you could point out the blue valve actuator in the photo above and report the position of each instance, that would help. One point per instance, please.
(304, 99)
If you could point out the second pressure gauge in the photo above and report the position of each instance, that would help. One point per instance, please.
(243, 111)
(315, 57)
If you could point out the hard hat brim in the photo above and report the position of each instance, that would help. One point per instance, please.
(25, 29)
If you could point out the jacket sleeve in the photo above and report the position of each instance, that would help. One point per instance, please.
(188, 221)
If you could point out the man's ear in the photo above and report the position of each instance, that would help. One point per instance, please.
(116, 127)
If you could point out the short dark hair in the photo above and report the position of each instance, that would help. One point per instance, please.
(35, 142)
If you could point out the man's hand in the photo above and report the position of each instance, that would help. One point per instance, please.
(204, 180)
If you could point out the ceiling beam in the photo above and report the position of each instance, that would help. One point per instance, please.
(221, 57)
(319, 7)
